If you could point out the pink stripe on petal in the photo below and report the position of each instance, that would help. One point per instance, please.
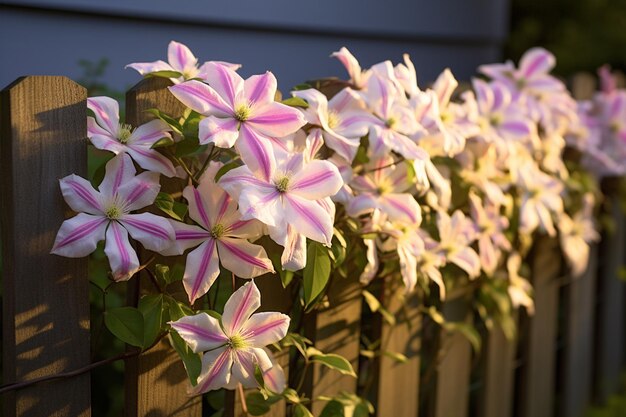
(121, 248)
(263, 83)
(255, 153)
(218, 367)
(207, 254)
(302, 211)
(84, 193)
(149, 228)
(199, 331)
(201, 209)
(243, 256)
(242, 309)
(81, 231)
(191, 235)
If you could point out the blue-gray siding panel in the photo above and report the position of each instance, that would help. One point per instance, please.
(39, 42)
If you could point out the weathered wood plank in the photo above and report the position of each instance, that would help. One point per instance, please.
(156, 382)
(453, 372)
(335, 329)
(610, 338)
(576, 376)
(45, 327)
(538, 373)
(497, 393)
(400, 380)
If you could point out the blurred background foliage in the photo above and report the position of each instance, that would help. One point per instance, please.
(583, 34)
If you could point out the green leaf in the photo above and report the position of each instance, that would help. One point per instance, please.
(296, 102)
(151, 307)
(164, 74)
(371, 301)
(333, 361)
(177, 309)
(257, 404)
(301, 411)
(173, 123)
(126, 323)
(303, 86)
(224, 169)
(316, 272)
(163, 142)
(467, 330)
(291, 396)
(191, 360)
(298, 341)
(188, 147)
(167, 205)
(333, 409)
(396, 356)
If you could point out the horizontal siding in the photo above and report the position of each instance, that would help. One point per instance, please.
(37, 41)
(468, 19)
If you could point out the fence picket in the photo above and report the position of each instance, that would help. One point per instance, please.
(156, 382)
(497, 394)
(44, 129)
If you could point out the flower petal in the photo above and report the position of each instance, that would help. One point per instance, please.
(274, 378)
(216, 367)
(223, 132)
(101, 138)
(201, 270)
(155, 233)
(122, 256)
(118, 171)
(308, 218)
(243, 368)
(317, 179)
(149, 133)
(201, 98)
(294, 252)
(180, 57)
(152, 160)
(402, 207)
(107, 112)
(256, 152)
(187, 236)
(140, 191)
(260, 89)
(226, 82)
(239, 307)
(536, 61)
(79, 235)
(201, 332)
(467, 259)
(265, 328)
(276, 120)
(243, 258)
(80, 195)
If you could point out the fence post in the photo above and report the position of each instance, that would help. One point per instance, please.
(400, 380)
(156, 382)
(610, 343)
(537, 383)
(576, 376)
(335, 329)
(496, 399)
(45, 326)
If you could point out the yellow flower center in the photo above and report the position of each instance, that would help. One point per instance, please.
(217, 231)
(113, 213)
(236, 342)
(242, 113)
(282, 184)
(390, 122)
(333, 119)
(124, 132)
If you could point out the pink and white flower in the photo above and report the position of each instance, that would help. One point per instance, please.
(107, 133)
(234, 346)
(181, 60)
(221, 237)
(106, 214)
(456, 234)
(490, 225)
(241, 114)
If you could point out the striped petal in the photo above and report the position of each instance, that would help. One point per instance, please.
(536, 61)
(294, 244)
(243, 258)
(243, 368)
(201, 98)
(144, 68)
(223, 132)
(107, 113)
(401, 207)
(102, 139)
(260, 89)
(350, 63)
(122, 256)
(79, 235)
(200, 206)
(317, 179)
(140, 191)
(155, 233)
(119, 170)
(274, 378)
(308, 218)
(467, 259)
(149, 133)
(256, 152)
(265, 328)
(239, 307)
(180, 57)
(216, 366)
(201, 270)
(186, 236)
(152, 160)
(226, 82)
(201, 332)
(80, 195)
(276, 120)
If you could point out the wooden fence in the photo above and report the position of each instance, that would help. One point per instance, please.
(569, 354)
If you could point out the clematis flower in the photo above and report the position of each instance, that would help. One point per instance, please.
(221, 237)
(520, 290)
(384, 187)
(181, 60)
(343, 119)
(107, 133)
(357, 76)
(456, 234)
(491, 226)
(576, 235)
(240, 113)
(233, 346)
(294, 195)
(105, 214)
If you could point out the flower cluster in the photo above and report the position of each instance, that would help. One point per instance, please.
(438, 186)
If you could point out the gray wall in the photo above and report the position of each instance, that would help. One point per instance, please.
(292, 38)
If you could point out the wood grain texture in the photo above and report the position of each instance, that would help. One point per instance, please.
(576, 378)
(335, 329)
(610, 338)
(497, 393)
(538, 374)
(156, 382)
(453, 372)
(400, 380)
(45, 327)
